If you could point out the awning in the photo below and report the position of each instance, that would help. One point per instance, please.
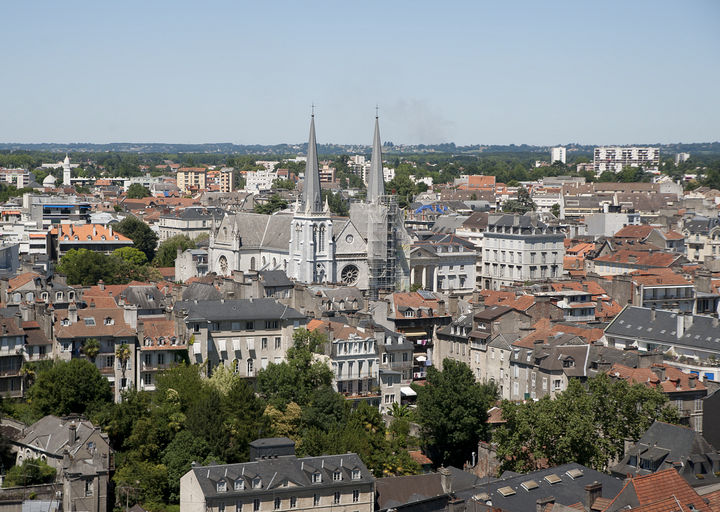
(407, 391)
(419, 333)
(422, 359)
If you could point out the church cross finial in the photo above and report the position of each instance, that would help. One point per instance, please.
(376, 110)
(312, 109)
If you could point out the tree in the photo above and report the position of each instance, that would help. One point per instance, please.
(452, 411)
(337, 204)
(522, 204)
(182, 451)
(137, 191)
(131, 255)
(69, 387)
(123, 355)
(274, 204)
(140, 233)
(295, 380)
(85, 267)
(91, 348)
(584, 425)
(167, 252)
(30, 472)
(284, 184)
(555, 210)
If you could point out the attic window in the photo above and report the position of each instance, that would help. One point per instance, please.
(553, 479)
(356, 474)
(65, 322)
(239, 484)
(337, 476)
(90, 321)
(569, 362)
(316, 478)
(89, 237)
(530, 485)
(574, 473)
(102, 237)
(222, 486)
(109, 321)
(257, 483)
(506, 491)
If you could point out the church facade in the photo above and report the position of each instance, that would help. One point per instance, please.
(314, 247)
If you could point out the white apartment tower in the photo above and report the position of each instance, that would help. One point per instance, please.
(558, 154)
(614, 158)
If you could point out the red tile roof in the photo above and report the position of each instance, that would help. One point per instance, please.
(21, 280)
(88, 232)
(640, 232)
(659, 277)
(100, 327)
(419, 457)
(658, 487)
(159, 333)
(502, 298)
(642, 258)
(676, 381)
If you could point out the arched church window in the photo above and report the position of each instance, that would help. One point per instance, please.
(223, 265)
(322, 238)
(252, 263)
(314, 231)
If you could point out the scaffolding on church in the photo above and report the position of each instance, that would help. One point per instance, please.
(382, 241)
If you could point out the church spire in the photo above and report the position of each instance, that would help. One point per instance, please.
(312, 199)
(376, 180)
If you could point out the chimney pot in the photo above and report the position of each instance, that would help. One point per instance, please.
(542, 502)
(593, 491)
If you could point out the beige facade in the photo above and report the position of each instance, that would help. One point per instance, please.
(190, 179)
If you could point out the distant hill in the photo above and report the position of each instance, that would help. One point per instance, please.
(227, 148)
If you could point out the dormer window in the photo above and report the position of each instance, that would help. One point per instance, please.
(408, 313)
(89, 237)
(569, 363)
(337, 476)
(222, 486)
(65, 322)
(356, 474)
(317, 477)
(257, 483)
(239, 484)
(109, 321)
(102, 237)
(59, 296)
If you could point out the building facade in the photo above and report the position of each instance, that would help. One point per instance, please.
(613, 159)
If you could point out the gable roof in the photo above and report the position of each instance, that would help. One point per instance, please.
(241, 309)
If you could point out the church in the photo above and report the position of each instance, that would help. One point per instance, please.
(366, 250)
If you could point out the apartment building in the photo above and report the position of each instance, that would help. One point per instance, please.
(192, 221)
(191, 179)
(245, 335)
(614, 158)
(93, 237)
(444, 263)
(258, 181)
(227, 175)
(19, 178)
(160, 349)
(519, 248)
(337, 483)
(558, 154)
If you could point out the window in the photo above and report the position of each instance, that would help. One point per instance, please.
(221, 486)
(90, 321)
(293, 502)
(556, 384)
(221, 507)
(250, 367)
(316, 500)
(257, 483)
(161, 358)
(277, 504)
(356, 474)
(698, 404)
(196, 327)
(317, 477)
(337, 476)
(148, 359)
(109, 321)
(263, 343)
(239, 485)
(336, 498)
(256, 504)
(271, 324)
(249, 325)
(88, 487)
(109, 361)
(278, 343)
(356, 496)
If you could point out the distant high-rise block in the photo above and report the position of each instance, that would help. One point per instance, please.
(613, 159)
(558, 154)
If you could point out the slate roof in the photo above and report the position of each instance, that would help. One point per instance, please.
(274, 472)
(242, 309)
(201, 291)
(636, 322)
(257, 230)
(400, 490)
(274, 278)
(51, 435)
(567, 491)
(144, 297)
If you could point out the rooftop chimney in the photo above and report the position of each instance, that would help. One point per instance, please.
(101, 285)
(652, 314)
(72, 434)
(593, 491)
(72, 313)
(680, 326)
(445, 479)
(688, 320)
(18, 319)
(542, 502)
(692, 379)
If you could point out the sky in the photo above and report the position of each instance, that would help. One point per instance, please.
(501, 72)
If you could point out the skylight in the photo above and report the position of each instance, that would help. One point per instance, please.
(553, 479)
(506, 491)
(530, 485)
(574, 473)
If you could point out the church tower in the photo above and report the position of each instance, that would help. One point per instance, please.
(312, 248)
(376, 179)
(67, 172)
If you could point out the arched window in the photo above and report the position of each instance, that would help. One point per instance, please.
(29, 296)
(252, 263)
(314, 232)
(250, 368)
(321, 241)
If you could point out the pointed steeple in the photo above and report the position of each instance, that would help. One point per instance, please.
(376, 180)
(312, 199)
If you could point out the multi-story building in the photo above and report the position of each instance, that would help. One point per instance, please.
(94, 237)
(519, 248)
(701, 238)
(12, 348)
(47, 210)
(681, 157)
(19, 178)
(396, 370)
(192, 221)
(245, 335)
(444, 263)
(258, 181)
(327, 172)
(191, 179)
(73, 327)
(354, 358)
(558, 154)
(613, 159)
(160, 349)
(227, 175)
(337, 483)
(191, 263)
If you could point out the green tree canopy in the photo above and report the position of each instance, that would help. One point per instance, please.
(143, 237)
(137, 191)
(131, 255)
(274, 204)
(587, 426)
(522, 204)
(167, 252)
(69, 387)
(452, 411)
(30, 472)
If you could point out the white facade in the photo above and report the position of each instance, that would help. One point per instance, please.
(518, 249)
(20, 178)
(558, 154)
(681, 157)
(613, 159)
(67, 171)
(257, 181)
(355, 365)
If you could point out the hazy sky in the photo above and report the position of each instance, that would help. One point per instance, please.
(471, 72)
